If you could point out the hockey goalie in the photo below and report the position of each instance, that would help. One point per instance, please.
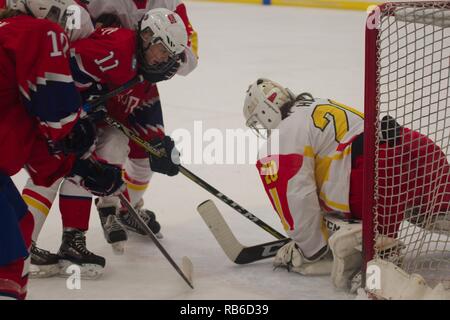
(317, 172)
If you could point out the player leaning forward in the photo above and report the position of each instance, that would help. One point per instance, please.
(318, 169)
(41, 116)
(160, 39)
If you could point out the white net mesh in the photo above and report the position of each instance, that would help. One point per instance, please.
(412, 184)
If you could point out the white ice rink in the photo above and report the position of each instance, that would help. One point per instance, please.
(314, 50)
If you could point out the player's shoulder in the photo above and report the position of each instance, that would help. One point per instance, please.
(42, 24)
(115, 33)
(300, 119)
(300, 112)
(26, 27)
(120, 40)
(33, 25)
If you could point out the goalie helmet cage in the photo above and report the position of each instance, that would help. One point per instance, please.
(405, 225)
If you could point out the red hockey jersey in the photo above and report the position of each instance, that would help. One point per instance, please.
(38, 98)
(107, 57)
(130, 13)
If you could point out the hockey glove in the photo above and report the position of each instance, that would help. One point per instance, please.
(162, 71)
(390, 130)
(89, 96)
(169, 162)
(99, 178)
(80, 141)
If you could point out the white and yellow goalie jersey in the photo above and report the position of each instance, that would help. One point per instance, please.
(307, 171)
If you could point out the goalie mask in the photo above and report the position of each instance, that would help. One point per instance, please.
(74, 19)
(164, 28)
(262, 105)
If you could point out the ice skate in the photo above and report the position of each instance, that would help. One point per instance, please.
(44, 264)
(114, 232)
(147, 216)
(73, 251)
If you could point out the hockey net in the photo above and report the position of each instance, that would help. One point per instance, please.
(406, 220)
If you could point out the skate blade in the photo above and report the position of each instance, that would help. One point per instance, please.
(86, 271)
(43, 271)
(118, 247)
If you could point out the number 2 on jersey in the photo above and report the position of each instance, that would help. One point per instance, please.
(338, 113)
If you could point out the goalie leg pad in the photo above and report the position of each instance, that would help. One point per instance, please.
(392, 283)
(347, 258)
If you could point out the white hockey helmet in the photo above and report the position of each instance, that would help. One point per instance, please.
(262, 105)
(167, 28)
(67, 13)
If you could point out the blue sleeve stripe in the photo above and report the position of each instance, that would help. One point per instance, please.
(77, 74)
(53, 101)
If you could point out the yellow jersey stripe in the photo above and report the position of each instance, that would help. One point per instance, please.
(276, 200)
(31, 202)
(334, 205)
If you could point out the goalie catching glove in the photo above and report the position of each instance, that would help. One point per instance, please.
(99, 178)
(169, 161)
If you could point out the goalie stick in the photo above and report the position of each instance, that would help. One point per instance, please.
(236, 252)
(147, 146)
(186, 270)
(240, 254)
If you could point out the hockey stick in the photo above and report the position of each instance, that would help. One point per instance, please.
(89, 106)
(240, 254)
(236, 252)
(186, 274)
(147, 146)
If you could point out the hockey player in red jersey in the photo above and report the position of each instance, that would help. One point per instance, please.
(318, 169)
(127, 14)
(137, 173)
(107, 58)
(40, 129)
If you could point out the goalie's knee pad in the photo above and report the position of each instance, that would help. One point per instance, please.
(345, 245)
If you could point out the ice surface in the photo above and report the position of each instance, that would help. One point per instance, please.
(313, 50)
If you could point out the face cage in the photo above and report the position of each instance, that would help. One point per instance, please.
(155, 68)
(255, 125)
